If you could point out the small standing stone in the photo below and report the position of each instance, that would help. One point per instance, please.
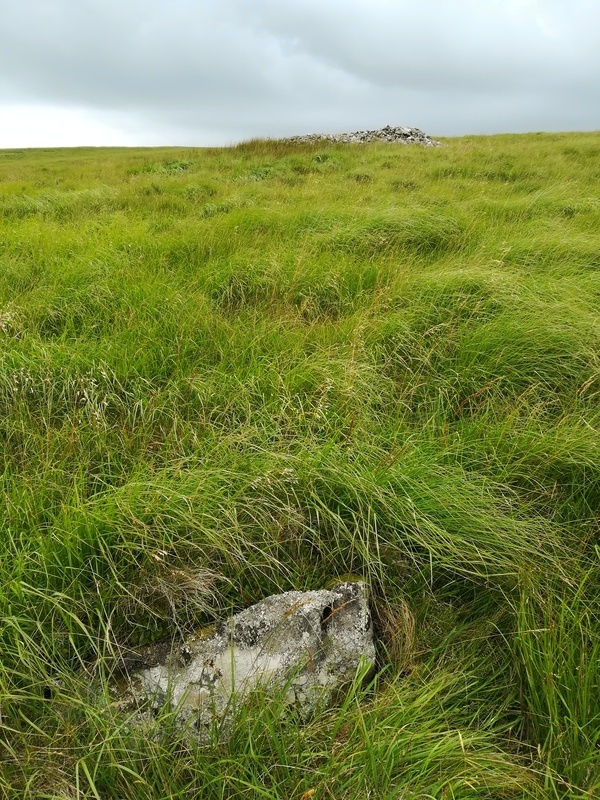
(309, 642)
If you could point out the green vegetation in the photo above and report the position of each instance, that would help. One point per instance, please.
(226, 373)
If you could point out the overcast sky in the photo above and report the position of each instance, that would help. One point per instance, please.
(197, 72)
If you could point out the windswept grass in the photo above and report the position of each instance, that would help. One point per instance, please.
(231, 372)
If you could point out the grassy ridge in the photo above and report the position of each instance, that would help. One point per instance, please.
(226, 373)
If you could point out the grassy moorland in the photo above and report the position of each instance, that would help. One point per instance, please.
(226, 373)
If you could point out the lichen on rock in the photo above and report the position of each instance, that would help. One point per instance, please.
(306, 644)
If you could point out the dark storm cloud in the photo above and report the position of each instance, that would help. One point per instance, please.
(223, 69)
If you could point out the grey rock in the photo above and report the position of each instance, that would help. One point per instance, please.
(306, 644)
(399, 135)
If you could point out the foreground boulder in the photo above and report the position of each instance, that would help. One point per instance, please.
(307, 644)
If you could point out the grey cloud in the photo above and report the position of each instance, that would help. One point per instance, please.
(219, 70)
(111, 53)
(432, 44)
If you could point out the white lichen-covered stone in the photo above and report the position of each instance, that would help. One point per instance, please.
(307, 644)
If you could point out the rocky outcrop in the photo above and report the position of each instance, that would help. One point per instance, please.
(400, 135)
(305, 644)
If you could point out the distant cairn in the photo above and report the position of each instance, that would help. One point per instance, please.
(400, 135)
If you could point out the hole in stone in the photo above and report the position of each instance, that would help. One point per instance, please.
(326, 615)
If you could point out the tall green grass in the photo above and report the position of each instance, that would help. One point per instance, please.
(226, 373)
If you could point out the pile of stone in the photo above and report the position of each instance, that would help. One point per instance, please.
(400, 135)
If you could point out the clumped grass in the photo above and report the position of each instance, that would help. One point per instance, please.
(231, 372)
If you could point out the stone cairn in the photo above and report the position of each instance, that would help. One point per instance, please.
(400, 135)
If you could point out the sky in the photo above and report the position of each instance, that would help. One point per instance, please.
(214, 72)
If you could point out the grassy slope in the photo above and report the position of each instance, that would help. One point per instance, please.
(227, 373)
